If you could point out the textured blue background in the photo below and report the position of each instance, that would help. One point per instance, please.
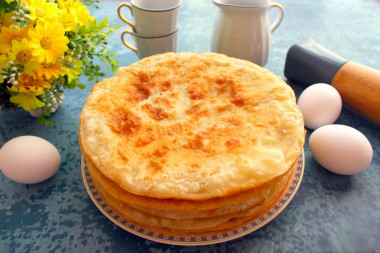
(329, 213)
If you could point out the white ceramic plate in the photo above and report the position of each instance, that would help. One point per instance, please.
(245, 229)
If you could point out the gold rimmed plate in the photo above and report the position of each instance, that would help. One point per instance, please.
(246, 228)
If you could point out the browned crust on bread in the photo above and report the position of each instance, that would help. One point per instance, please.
(191, 126)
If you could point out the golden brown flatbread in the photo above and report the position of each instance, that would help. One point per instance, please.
(183, 227)
(179, 209)
(191, 127)
(186, 143)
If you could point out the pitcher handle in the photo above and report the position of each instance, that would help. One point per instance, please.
(126, 42)
(279, 18)
(121, 15)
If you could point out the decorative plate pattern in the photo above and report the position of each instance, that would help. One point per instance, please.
(249, 227)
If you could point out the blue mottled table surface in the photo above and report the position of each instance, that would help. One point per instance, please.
(329, 213)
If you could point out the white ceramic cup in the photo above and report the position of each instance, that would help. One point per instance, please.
(242, 29)
(152, 17)
(151, 45)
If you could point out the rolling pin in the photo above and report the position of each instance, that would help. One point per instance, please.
(308, 62)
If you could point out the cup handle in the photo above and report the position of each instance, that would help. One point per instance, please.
(121, 15)
(279, 18)
(126, 42)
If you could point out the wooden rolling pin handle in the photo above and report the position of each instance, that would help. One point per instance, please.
(359, 87)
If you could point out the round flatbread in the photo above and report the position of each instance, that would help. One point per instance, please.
(191, 126)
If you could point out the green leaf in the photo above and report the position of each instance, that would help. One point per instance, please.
(49, 123)
(43, 121)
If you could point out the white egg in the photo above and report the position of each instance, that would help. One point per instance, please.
(29, 159)
(341, 149)
(320, 105)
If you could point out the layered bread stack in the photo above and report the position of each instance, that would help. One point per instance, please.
(186, 143)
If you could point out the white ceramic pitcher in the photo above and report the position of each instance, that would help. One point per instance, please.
(242, 29)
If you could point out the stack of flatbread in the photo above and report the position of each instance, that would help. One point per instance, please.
(186, 143)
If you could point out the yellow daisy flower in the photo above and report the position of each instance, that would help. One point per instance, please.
(25, 93)
(8, 34)
(6, 20)
(78, 11)
(22, 53)
(48, 41)
(42, 10)
(67, 20)
(32, 82)
(51, 70)
(26, 98)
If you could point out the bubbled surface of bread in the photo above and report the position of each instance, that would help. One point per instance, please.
(191, 126)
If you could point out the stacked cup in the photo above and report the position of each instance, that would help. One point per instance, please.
(155, 26)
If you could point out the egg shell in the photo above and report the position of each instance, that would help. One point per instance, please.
(341, 149)
(320, 104)
(29, 159)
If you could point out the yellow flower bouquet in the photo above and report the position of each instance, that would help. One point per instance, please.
(44, 47)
